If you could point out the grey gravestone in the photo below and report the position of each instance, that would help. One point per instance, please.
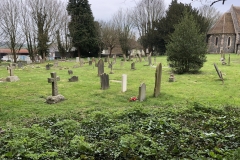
(48, 66)
(20, 64)
(81, 62)
(105, 59)
(218, 72)
(155, 60)
(70, 72)
(54, 78)
(133, 65)
(90, 63)
(171, 78)
(142, 92)
(121, 63)
(100, 67)
(104, 81)
(158, 77)
(10, 69)
(111, 66)
(229, 59)
(56, 64)
(149, 60)
(73, 79)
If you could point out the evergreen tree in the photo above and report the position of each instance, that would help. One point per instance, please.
(82, 28)
(186, 50)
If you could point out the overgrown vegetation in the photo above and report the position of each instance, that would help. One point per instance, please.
(136, 133)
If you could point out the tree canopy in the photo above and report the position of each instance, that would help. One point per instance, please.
(186, 50)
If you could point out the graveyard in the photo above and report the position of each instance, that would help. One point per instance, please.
(23, 102)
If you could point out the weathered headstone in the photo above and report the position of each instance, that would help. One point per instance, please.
(124, 57)
(105, 59)
(56, 64)
(171, 78)
(70, 72)
(90, 63)
(73, 79)
(121, 63)
(54, 78)
(81, 62)
(48, 66)
(218, 72)
(158, 77)
(88, 59)
(100, 67)
(142, 92)
(124, 83)
(133, 65)
(229, 60)
(20, 64)
(10, 69)
(149, 60)
(77, 59)
(104, 81)
(111, 67)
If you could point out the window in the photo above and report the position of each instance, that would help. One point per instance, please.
(216, 43)
(229, 41)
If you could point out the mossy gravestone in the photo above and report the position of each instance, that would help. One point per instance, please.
(104, 81)
(11, 78)
(158, 77)
(100, 67)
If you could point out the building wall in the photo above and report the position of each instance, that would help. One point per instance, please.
(222, 44)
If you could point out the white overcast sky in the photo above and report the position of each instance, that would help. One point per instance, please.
(104, 9)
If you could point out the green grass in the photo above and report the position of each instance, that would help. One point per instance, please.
(25, 99)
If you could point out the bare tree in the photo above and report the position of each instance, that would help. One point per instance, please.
(46, 16)
(210, 13)
(212, 2)
(145, 14)
(109, 34)
(122, 20)
(10, 26)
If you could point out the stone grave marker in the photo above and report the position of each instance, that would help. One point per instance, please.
(81, 62)
(100, 67)
(142, 92)
(20, 64)
(90, 63)
(158, 77)
(124, 83)
(155, 60)
(56, 64)
(104, 81)
(121, 64)
(11, 78)
(171, 78)
(73, 79)
(70, 72)
(48, 67)
(218, 72)
(149, 60)
(55, 96)
(133, 65)
(77, 59)
(105, 59)
(111, 67)
(88, 59)
(124, 57)
(229, 60)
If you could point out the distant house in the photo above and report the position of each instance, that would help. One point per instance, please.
(5, 54)
(224, 36)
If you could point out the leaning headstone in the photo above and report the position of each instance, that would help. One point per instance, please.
(73, 79)
(55, 98)
(124, 83)
(142, 92)
(70, 72)
(218, 72)
(100, 67)
(158, 77)
(133, 65)
(11, 78)
(104, 81)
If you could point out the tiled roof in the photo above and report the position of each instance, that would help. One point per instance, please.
(6, 50)
(223, 25)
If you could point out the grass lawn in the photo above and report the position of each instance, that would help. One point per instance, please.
(25, 99)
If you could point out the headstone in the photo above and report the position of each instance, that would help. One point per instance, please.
(20, 64)
(111, 66)
(70, 72)
(124, 57)
(81, 62)
(124, 83)
(10, 69)
(77, 59)
(142, 92)
(48, 66)
(88, 59)
(171, 78)
(155, 60)
(73, 79)
(229, 60)
(105, 59)
(54, 78)
(133, 65)
(218, 72)
(158, 77)
(104, 81)
(149, 60)
(121, 63)
(90, 63)
(56, 64)
(100, 67)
